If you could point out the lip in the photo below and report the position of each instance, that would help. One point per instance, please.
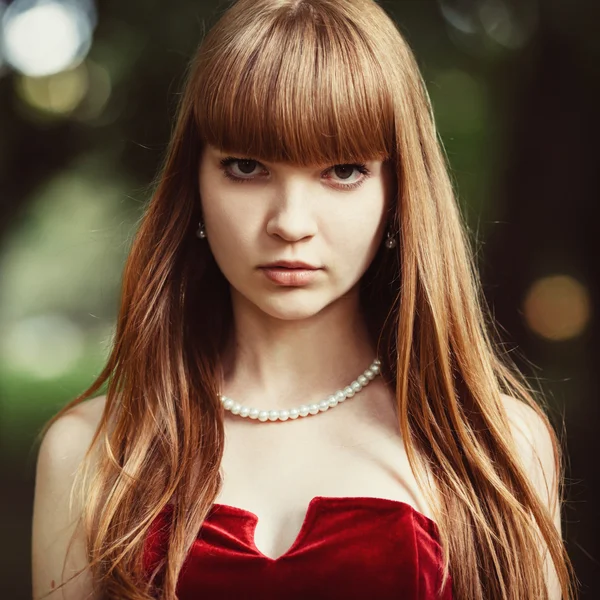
(290, 277)
(289, 264)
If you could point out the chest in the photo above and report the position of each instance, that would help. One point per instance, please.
(275, 471)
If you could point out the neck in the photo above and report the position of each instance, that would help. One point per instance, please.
(278, 364)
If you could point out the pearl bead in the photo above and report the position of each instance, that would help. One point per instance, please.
(304, 410)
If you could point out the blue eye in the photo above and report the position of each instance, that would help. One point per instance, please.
(247, 166)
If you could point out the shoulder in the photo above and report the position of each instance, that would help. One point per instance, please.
(65, 444)
(55, 512)
(89, 411)
(77, 423)
(535, 442)
(539, 451)
(69, 437)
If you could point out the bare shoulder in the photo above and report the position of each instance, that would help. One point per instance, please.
(534, 438)
(61, 451)
(90, 411)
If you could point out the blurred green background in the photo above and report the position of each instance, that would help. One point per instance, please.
(87, 97)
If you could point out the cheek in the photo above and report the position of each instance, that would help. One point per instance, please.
(358, 237)
(231, 231)
(221, 215)
(221, 220)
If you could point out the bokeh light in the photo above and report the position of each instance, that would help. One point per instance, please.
(459, 100)
(43, 37)
(43, 346)
(59, 93)
(80, 93)
(557, 307)
(98, 94)
(489, 27)
(2, 63)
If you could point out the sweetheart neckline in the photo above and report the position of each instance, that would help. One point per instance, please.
(335, 499)
(311, 513)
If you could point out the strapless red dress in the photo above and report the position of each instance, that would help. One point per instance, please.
(348, 547)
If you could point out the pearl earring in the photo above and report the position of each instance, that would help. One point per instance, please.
(201, 231)
(390, 242)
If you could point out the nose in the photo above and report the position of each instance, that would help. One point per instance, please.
(291, 217)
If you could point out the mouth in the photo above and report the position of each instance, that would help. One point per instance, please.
(282, 268)
(290, 265)
(290, 276)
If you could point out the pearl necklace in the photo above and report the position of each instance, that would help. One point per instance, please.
(305, 409)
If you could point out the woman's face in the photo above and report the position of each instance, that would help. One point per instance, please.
(257, 213)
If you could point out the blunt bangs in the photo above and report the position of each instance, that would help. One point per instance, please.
(297, 87)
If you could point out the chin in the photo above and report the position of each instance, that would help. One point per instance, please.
(291, 309)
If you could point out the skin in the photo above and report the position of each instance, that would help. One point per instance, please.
(293, 345)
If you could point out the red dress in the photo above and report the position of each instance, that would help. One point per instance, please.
(348, 547)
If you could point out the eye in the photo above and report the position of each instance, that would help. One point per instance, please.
(345, 172)
(246, 168)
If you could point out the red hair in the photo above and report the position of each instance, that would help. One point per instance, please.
(312, 82)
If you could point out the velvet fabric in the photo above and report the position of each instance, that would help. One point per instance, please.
(348, 547)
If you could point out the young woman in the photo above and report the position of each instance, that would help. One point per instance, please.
(305, 398)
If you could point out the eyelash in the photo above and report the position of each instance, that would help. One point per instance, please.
(360, 167)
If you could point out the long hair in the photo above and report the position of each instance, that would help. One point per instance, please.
(311, 82)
